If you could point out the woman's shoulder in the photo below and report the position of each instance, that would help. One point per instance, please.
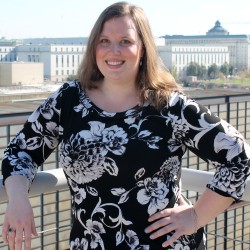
(177, 98)
(72, 86)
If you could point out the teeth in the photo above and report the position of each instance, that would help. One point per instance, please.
(114, 63)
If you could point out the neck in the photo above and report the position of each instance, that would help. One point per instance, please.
(118, 90)
(114, 97)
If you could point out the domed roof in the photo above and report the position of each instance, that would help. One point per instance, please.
(217, 30)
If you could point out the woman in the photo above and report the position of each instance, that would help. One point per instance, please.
(123, 129)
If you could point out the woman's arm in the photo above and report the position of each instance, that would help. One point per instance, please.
(24, 154)
(209, 205)
(19, 215)
(219, 144)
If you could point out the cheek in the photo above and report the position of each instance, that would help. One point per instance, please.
(99, 53)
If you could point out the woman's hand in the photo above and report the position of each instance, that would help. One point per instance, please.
(181, 220)
(18, 226)
(185, 219)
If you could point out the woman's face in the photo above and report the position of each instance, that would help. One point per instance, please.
(119, 50)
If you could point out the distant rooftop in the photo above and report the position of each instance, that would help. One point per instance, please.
(59, 40)
(217, 30)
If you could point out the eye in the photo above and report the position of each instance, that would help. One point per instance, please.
(125, 42)
(105, 42)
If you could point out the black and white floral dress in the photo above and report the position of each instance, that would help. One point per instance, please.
(123, 167)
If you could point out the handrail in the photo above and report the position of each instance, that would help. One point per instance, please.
(193, 180)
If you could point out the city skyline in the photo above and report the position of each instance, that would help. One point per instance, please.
(62, 18)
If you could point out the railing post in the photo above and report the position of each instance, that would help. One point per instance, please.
(227, 99)
(225, 229)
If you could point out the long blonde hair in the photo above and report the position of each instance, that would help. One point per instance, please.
(153, 80)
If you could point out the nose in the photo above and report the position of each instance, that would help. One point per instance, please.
(115, 48)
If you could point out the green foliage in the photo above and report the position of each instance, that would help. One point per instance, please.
(213, 71)
(174, 72)
(225, 69)
(194, 69)
(71, 78)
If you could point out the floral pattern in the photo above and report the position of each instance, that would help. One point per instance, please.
(123, 167)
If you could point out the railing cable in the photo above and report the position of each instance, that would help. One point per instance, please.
(228, 238)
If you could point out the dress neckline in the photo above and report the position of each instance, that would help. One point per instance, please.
(110, 114)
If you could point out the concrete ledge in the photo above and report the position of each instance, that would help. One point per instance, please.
(53, 180)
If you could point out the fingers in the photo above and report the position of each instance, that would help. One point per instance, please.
(163, 231)
(158, 224)
(22, 220)
(33, 229)
(161, 214)
(171, 240)
(11, 239)
(177, 220)
(27, 238)
(15, 237)
(5, 233)
(17, 241)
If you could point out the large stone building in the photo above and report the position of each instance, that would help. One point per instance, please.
(60, 56)
(217, 46)
(60, 60)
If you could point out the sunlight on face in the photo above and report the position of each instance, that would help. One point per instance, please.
(119, 49)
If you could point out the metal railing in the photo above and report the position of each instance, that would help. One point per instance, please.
(52, 205)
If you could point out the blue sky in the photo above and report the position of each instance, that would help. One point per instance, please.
(72, 18)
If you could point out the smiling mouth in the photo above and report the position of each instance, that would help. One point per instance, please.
(114, 63)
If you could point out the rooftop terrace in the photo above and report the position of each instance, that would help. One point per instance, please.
(50, 197)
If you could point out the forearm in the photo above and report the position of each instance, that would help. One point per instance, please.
(17, 186)
(209, 205)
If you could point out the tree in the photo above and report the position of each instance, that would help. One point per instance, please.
(193, 69)
(71, 78)
(173, 72)
(232, 70)
(202, 72)
(225, 69)
(213, 71)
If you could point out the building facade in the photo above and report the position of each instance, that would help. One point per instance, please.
(16, 73)
(179, 57)
(217, 46)
(60, 60)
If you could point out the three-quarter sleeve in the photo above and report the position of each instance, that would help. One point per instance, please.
(39, 136)
(215, 141)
